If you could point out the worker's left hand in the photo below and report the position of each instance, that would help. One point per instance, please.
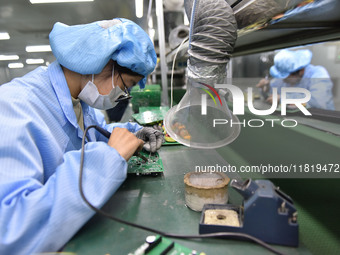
(153, 138)
(269, 100)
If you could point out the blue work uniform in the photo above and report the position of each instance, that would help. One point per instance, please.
(316, 80)
(40, 145)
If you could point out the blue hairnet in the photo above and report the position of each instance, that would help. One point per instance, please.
(87, 48)
(287, 62)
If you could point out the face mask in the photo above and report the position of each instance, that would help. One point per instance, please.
(90, 95)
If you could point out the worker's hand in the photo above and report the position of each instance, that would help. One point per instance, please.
(270, 99)
(264, 84)
(153, 138)
(125, 142)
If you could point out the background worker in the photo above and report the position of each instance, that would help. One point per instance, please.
(293, 69)
(43, 116)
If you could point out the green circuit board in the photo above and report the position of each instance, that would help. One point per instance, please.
(153, 165)
(162, 245)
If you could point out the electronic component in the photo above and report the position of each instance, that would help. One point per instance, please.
(151, 166)
(142, 162)
(158, 245)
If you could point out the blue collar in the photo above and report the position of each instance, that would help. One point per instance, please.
(62, 91)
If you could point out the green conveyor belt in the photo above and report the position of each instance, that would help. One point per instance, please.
(158, 202)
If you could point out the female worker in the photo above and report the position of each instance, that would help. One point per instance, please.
(43, 116)
(293, 68)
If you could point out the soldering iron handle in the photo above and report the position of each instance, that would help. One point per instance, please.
(107, 135)
(103, 131)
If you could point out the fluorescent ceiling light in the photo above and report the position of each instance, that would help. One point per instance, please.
(38, 48)
(186, 20)
(150, 23)
(152, 33)
(139, 8)
(9, 57)
(57, 1)
(15, 65)
(4, 36)
(34, 61)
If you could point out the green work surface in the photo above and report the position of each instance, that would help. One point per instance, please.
(316, 197)
(158, 202)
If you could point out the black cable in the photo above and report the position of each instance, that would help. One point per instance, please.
(218, 234)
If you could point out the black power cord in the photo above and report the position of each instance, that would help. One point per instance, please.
(218, 234)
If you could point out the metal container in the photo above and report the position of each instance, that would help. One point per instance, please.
(205, 188)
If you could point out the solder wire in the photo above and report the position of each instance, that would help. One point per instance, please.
(172, 72)
(105, 214)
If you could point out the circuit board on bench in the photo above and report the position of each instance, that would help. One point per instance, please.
(156, 245)
(153, 165)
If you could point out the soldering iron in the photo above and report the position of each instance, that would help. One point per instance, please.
(109, 216)
(107, 134)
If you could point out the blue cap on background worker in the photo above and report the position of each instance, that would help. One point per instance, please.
(287, 62)
(294, 68)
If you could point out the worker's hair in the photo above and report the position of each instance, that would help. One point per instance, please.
(125, 70)
(296, 72)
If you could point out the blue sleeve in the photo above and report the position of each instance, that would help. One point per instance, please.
(131, 126)
(321, 89)
(321, 94)
(276, 83)
(41, 208)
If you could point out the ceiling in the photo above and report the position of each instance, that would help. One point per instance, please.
(30, 24)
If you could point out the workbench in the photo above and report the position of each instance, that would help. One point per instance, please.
(158, 202)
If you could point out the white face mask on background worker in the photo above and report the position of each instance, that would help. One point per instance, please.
(90, 95)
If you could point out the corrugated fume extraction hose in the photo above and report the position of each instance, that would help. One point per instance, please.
(213, 32)
(251, 12)
(212, 35)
